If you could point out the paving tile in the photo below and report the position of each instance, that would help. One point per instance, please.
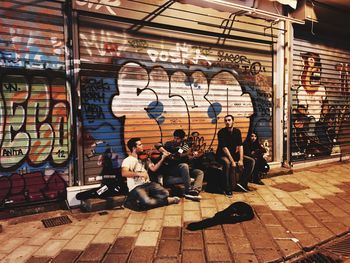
(288, 248)
(166, 260)
(269, 220)
(192, 241)
(336, 228)
(79, 242)
(171, 233)
(172, 220)
(244, 258)
(267, 255)
(40, 238)
(309, 221)
(207, 212)
(39, 260)
(130, 230)
(68, 232)
(67, 256)
(106, 236)
(94, 252)
(115, 222)
(208, 203)
(136, 218)
(193, 256)
(51, 248)
(11, 244)
(156, 213)
(218, 253)
(142, 254)
(260, 239)
(306, 240)
(116, 258)
(192, 216)
(240, 245)
(120, 213)
(233, 230)
(92, 228)
(152, 225)
(122, 245)
(321, 233)
(147, 238)
(168, 248)
(20, 254)
(214, 236)
(191, 206)
(174, 209)
(279, 232)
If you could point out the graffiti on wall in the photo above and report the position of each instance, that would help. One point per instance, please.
(163, 87)
(320, 112)
(23, 48)
(35, 128)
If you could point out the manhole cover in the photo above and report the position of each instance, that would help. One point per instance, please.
(290, 187)
(56, 221)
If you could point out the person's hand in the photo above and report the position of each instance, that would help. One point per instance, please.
(233, 164)
(240, 164)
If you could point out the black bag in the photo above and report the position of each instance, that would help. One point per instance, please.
(264, 166)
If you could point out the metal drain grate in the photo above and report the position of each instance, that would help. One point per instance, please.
(56, 221)
(318, 258)
(341, 247)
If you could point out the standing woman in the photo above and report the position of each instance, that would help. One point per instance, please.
(254, 149)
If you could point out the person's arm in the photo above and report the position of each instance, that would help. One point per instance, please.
(127, 173)
(241, 154)
(154, 167)
(229, 156)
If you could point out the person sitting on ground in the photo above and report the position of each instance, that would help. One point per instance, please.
(177, 170)
(230, 153)
(254, 149)
(143, 194)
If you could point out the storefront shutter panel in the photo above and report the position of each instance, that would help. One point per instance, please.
(320, 116)
(161, 80)
(35, 104)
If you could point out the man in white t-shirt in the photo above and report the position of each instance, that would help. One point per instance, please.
(143, 194)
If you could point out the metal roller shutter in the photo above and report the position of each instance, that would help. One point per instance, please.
(320, 116)
(35, 125)
(149, 81)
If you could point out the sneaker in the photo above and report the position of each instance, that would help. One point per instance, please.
(173, 200)
(193, 197)
(228, 194)
(192, 192)
(244, 189)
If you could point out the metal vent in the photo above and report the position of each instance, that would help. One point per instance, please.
(341, 248)
(318, 258)
(56, 221)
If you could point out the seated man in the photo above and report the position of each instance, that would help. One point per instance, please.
(176, 169)
(230, 153)
(143, 194)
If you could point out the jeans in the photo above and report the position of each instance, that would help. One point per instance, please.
(248, 164)
(147, 196)
(181, 174)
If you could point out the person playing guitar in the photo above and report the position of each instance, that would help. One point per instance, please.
(177, 170)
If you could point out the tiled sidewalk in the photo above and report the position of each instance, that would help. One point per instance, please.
(294, 213)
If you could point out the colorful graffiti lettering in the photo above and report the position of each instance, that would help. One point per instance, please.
(184, 54)
(166, 101)
(35, 122)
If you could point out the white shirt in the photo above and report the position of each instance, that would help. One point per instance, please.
(137, 166)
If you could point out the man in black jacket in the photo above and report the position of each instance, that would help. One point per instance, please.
(230, 153)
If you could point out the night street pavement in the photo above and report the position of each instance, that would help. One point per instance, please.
(295, 214)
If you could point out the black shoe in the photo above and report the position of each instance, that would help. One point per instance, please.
(228, 193)
(242, 188)
(259, 182)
